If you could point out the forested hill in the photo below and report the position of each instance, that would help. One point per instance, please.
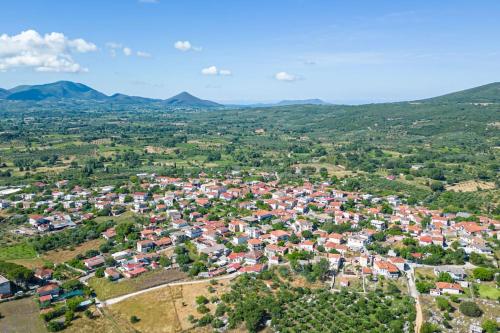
(489, 93)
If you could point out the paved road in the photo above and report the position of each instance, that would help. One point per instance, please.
(170, 284)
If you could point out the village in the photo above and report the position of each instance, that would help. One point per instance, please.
(212, 227)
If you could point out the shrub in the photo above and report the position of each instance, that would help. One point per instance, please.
(483, 274)
(490, 326)
(134, 319)
(443, 304)
(470, 309)
(429, 328)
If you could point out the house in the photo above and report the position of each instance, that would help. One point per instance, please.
(134, 272)
(43, 274)
(111, 273)
(255, 244)
(386, 269)
(109, 234)
(278, 235)
(449, 288)
(254, 269)
(163, 242)
(307, 245)
(399, 262)
(49, 289)
(145, 245)
(5, 289)
(356, 242)
(334, 259)
(94, 262)
(253, 257)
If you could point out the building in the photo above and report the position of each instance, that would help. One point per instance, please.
(5, 289)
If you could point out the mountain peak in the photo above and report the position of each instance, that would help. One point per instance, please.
(185, 99)
(55, 90)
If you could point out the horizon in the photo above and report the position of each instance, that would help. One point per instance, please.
(337, 52)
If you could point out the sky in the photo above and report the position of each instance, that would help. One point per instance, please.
(247, 51)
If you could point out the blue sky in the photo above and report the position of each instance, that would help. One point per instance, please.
(250, 51)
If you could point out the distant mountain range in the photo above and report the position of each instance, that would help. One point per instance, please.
(72, 91)
(67, 90)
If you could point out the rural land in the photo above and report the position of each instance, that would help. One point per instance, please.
(127, 214)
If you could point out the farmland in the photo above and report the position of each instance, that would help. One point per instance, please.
(21, 316)
(106, 289)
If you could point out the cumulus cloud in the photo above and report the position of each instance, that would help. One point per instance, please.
(185, 46)
(51, 52)
(213, 70)
(115, 47)
(127, 51)
(284, 76)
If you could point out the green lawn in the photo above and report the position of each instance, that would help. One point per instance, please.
(18, 251)
(489, 291)
(128, 216)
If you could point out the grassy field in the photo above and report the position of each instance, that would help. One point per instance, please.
(106, 289)
(489, 291)
(60, 256)
(21, 316)
(18, 251)
(125, 217)
(166, 309)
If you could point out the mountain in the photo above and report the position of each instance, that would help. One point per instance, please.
(289, 102)
(55, 91)
(68, 91)
(314, 101)
(122, 98)
(4, 93)
(185, 99)
(488, 93)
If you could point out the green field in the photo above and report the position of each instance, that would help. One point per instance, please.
(489, 291)
(18, 251)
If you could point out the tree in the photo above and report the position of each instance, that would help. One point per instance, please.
(470, 309)
(483, 274)
(134, 319)
(424, 287)
(445, 277)
(99, 272)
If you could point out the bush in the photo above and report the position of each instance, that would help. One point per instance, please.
(201, 300)
(134, 319)
(55, 326)
(429, 328)
(483, 274)
(99, 272)
(470, 309)
(489, 326)
(443, 304)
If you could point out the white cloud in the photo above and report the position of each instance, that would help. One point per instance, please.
(143, 54)
(213, 70)
(225, 72)
(127, 51)
(48, 53)
(284, 76)
(186, 46)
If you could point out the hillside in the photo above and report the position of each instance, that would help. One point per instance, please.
(488, 93)
(186, 99)
(56, 90)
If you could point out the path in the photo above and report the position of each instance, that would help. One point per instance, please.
(414, 293)
(170, 284)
